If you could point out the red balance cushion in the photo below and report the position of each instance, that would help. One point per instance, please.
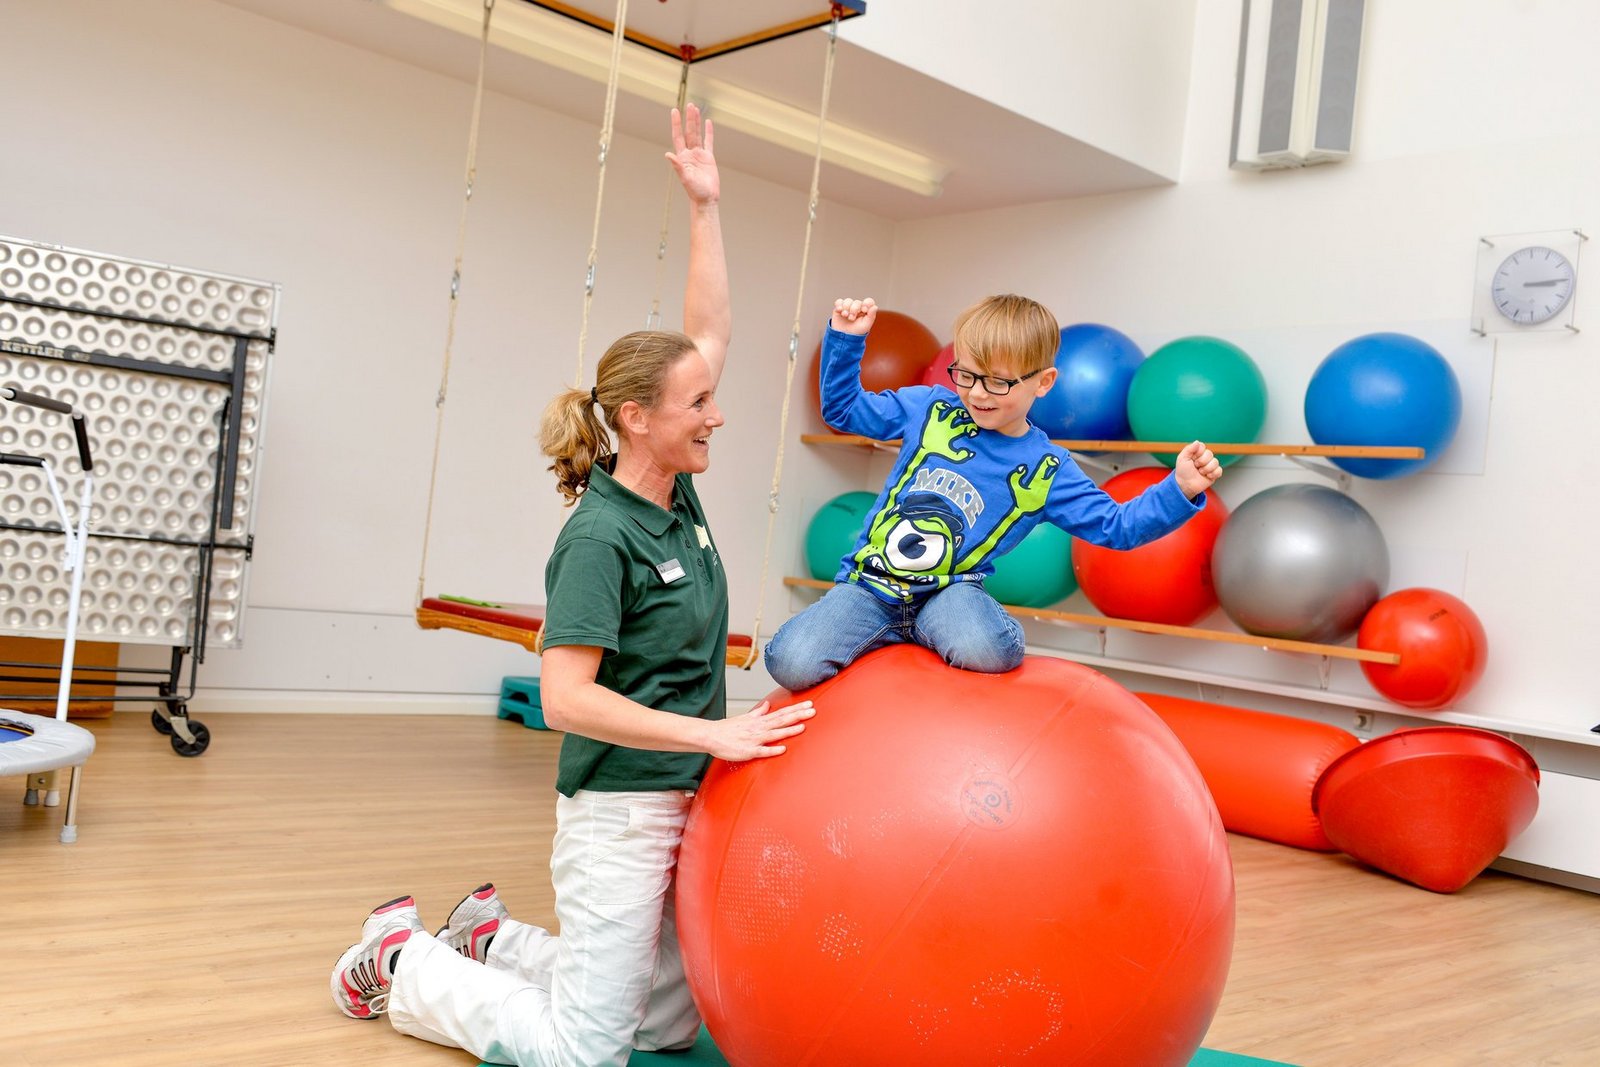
(1433, 806)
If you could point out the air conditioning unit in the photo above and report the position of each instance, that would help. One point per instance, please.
(1295, 101)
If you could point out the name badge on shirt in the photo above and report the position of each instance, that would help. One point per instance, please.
(670, 571)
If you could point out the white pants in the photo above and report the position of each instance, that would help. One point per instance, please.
(612, 982)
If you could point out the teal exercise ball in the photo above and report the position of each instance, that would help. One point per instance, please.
(1198, 389)
(833, 532)
(1038, 572)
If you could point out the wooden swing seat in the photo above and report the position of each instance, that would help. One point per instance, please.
(523, 624)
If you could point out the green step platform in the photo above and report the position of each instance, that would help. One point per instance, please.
(705, 1054)
(519, 702)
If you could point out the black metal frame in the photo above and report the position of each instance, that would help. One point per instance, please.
(171, 696)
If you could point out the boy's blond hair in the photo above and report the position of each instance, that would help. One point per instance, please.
(1008, 327)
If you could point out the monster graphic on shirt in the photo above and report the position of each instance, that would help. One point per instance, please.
(922, 538)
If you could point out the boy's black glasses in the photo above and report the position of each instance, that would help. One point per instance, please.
(993, 386)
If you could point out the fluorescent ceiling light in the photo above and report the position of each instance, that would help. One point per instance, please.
(582, 50)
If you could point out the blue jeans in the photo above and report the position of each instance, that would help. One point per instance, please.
(965, 625)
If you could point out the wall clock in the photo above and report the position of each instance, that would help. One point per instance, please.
(1533, 284)
(1527, 282)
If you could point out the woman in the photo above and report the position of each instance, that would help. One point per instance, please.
(634, 638)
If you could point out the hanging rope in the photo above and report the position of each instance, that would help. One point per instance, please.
(794, 338)
(652, 321)
(455, 294)
(618, 31)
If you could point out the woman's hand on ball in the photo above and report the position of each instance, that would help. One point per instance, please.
(759, 732)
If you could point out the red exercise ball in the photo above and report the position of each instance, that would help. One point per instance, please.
(899, 349)
(1167, 580)
(1443, 648)
(959, 868)
(938, 372)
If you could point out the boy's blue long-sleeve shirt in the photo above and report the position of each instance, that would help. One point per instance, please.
(960, 497)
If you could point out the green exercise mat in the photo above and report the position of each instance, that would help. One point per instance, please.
(705, 1054)
(1208, 1057)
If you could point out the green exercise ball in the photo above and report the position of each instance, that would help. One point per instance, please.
(1197, 388)
(833, 532)
(1038, 572)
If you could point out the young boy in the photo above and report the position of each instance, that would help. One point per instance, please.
(972, 478)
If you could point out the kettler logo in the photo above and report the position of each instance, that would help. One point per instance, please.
(23, 348)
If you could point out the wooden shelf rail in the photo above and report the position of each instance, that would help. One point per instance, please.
(1247, 449)
(1106, 622)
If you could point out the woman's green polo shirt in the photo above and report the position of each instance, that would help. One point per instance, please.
(646, 585)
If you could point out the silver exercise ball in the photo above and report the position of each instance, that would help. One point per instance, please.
(1303, 562)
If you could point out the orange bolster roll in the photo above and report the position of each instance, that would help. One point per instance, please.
(1261, 767)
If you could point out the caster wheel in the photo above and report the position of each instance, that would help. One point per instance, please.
(160, 722)
(202, 740)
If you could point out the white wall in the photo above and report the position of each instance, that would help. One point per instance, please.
(1114, 75)
(235, 143)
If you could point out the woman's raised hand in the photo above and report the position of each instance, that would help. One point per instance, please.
(692, 157)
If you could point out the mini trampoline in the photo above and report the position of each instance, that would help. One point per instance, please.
(37, 745)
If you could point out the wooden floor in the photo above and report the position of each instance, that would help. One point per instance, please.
(195, 921)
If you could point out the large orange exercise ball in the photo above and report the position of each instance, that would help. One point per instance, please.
(1442, 645)
(959, 868)
(899, 349)
(1167, 580)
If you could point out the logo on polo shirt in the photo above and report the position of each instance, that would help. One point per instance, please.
(705, 542)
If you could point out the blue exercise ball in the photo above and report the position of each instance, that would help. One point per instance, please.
(1384, 389)
(1089, 401)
